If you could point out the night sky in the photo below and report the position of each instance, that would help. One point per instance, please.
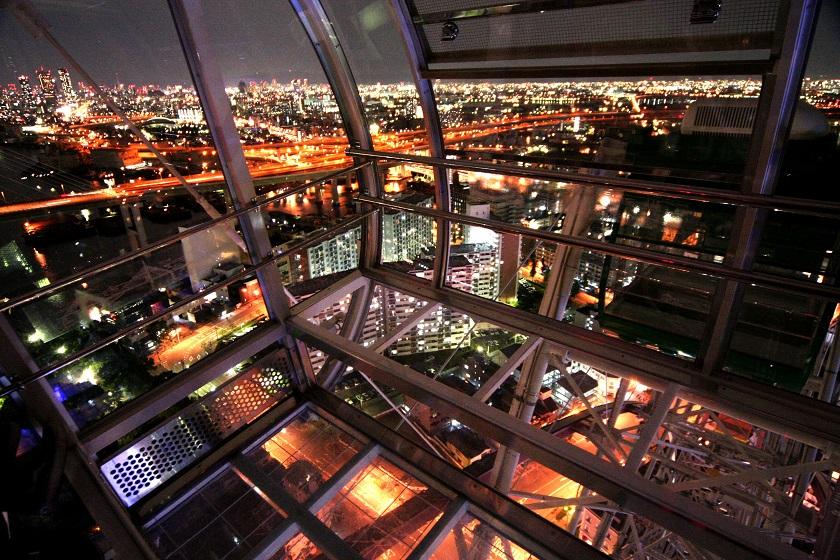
(133, 41)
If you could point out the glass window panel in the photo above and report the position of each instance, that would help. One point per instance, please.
(304, 454)
(373, 46)
(645, 128)
(101, 305)
(472, 537)
(661, 308)
(389, 310)
(784, 340)
(383, 510)
(811, 151)
(503, 267)
(225, 519)
(293, 218)
(285, 112)
(62, 148)
(298, 548)
(800, 246)
(781, 338)
(98, 384)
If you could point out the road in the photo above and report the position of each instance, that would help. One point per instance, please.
(191, 345)
(321, 154)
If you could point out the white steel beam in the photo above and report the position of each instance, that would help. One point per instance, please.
(313, 305)
(390, 337)
(506, 369)
(753, 475)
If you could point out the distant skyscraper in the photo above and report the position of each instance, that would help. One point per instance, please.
(47, 83)
(67, 91)
(25, 89)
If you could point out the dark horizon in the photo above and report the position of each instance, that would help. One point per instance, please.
(142, 46)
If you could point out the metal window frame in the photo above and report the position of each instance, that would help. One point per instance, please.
(414, 47)
(813, 422)
(772, 281)
(670, 189)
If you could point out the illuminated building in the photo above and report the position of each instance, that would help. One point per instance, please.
(335, 255)
(26, 90)
(47, 82)
(405, 235)
(68, 93)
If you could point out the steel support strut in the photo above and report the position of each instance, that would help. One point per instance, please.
(199, 52)
(321, 33)
(672, 511)
(431, 119)
(776, 107)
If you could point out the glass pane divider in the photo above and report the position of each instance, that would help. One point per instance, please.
(312, 527)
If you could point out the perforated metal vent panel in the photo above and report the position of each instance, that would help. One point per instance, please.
(646, 26)
(160, 454)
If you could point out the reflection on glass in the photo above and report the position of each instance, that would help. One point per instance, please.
(296, 217)
(383, 510)
(663, 309)
(369, 35)
(799, 246)
(298, 548)
(784, 340)
(473, 538)
(227, 518)
(101, 305)
(304, 454)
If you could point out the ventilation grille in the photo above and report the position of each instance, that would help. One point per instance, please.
(160, 454)
(594, 29)
(740, 118)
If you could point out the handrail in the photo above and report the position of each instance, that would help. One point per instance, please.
(270, 260)
(624, 251)
(670, 190)
(164, 242)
